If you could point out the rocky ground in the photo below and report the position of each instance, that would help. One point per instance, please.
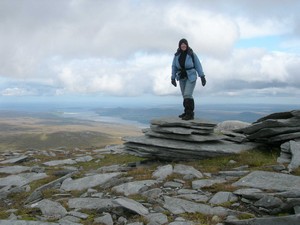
(108, 186)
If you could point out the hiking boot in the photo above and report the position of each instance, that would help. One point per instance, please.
(184, 105)
(189, 112)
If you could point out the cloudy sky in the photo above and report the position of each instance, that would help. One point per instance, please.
(249, 49)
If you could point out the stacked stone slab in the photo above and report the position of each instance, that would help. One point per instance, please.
(279, 129)
(275, 128)
(176, 139)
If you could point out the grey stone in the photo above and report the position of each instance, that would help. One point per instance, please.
(112, 168)
(106, 219)
(279, 220)
(278, 115)
(84, 158)
(50, 209)
(295, 150)
(122, 220)
(87, 182)
(231, 125)
(69, 220)
(157, 218)
(273, 132)
(36, 194)
(222, 197)
(135, 223)
(284, 157)
(181, 223)
(78, 214)
(173, 149)
(269, 181)
(92, 203)
(184, 134)
(269, 202)
(283, 137)
(198, 184)
(186, 191)
(15, 160)
(297, 209)
(271, 123)
(21, 179)
(187, 170)
(60, 162)
(178, 130)
(234, 173)
(172, 184)
(132, 205)
(289, 194)
(163, 171)
(25, 222)
(285, 147)
(194, 197)
(174, 121)
(250, 193)
(153, 193)
(134, 187)
(178, 206)
(14, 169)
(234, 137)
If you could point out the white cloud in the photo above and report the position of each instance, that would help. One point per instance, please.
(253, 70)
(265, 27)
(125, 47)
(16, 91)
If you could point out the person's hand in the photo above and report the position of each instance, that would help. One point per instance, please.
(203, 81)
(173, 81)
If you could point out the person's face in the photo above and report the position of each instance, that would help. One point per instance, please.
(183, 47)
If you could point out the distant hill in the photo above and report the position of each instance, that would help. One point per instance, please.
(216, 113)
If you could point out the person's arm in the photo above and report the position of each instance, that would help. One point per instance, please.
(174, 69)
(198, 68)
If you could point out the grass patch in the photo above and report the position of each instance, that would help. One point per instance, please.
(255, 159)
(3, 214)
(140, 173)
(109, 160)
(296, 172)
(245, 216)
(138, 198)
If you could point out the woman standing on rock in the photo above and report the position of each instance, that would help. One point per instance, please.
(185, 68)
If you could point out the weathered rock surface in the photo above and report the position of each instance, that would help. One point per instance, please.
(21, 179)
(14, 169)
(87, 182)
(282, 220)
(50, 209)
(173, 139)
(111, 194)
(281, 129)
(135, 187)
(178, 206)
(274, 128)
(269, 181)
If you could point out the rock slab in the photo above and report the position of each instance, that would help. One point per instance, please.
(269, 181)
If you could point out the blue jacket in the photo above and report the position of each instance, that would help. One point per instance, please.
(191, 73)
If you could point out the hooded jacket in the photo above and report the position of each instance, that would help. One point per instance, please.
(192, 67)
